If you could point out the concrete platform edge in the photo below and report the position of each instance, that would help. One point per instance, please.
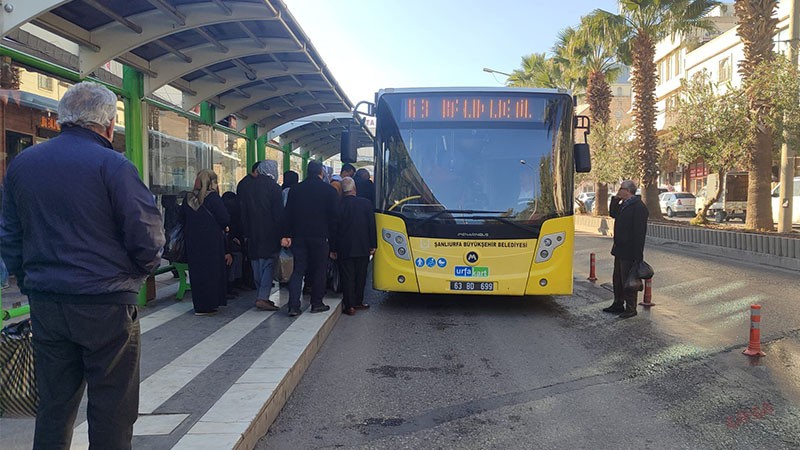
(261, 423)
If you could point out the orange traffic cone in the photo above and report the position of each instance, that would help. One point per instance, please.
(754, 347)
(647, 298)
(592, 276)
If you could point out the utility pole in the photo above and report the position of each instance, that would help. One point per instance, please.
(787, 162)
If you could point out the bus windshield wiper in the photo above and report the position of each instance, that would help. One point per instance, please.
(532, 229)
(457, 211)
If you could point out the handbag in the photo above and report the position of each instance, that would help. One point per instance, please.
(632, 282)
(18, 394)
(285, 266)
(644, 271)
(175, 248)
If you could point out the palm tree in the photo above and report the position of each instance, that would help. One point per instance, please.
(593, 49)
(757, 26)
(646, 22)
(542, 71)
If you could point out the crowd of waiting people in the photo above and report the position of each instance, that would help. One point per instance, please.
(233, 241)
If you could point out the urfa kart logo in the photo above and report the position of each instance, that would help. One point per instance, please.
(474, 272)
(474, 234)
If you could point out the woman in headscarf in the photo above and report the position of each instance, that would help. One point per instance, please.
(205, 219)
(290, 178)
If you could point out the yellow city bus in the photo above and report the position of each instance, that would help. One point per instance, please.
(474, 190)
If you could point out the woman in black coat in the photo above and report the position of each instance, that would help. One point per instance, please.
(205, 218)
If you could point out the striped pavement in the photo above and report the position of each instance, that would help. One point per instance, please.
(212, 382)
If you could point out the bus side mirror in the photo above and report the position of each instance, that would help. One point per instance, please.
(583, 159)
(348, 150)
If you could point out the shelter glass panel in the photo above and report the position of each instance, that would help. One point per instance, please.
(177, 150)
(230, 159)
(29, 110)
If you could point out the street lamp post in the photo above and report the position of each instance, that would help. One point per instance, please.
(488, 70)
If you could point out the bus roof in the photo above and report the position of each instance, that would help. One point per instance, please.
(488, 89)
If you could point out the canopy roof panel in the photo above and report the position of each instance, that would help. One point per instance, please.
(249, 58)
(322, 137)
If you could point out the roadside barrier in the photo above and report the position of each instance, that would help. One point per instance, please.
(592, 276)
(754, 347)
(647, 298)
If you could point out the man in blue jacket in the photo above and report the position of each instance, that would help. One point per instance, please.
(81, 232)
(630, 230)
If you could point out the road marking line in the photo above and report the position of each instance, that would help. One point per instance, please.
(168, 380)
(223, 424)
(164, 315)
(715, 292)
(687, 284)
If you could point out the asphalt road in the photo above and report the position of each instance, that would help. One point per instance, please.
(556, 372)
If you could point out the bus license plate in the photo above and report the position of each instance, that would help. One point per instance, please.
(472, 285)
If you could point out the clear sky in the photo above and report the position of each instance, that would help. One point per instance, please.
(374, 44)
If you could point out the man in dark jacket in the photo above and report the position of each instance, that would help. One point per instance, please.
(311, 212)
(262, 218)
(91, 234)
(244, 185)
(364, 186)
(355, 242)
(630, 230)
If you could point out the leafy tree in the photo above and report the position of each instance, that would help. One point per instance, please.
(757, 26)
(712, 126)
(592, 49)
(646, 22)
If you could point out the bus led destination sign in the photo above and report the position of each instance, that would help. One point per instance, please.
(468, 108)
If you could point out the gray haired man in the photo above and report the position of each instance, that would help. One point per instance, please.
(91, 233)
(630, 231)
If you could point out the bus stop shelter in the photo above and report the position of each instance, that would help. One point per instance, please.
(241, 68)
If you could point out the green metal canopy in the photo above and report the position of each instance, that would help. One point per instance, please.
(248, 58)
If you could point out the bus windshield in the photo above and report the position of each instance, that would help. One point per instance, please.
(477, 158)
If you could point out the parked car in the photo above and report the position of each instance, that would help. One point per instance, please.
(795, 202)
(673, 203)
(583, 196)
(585, 200)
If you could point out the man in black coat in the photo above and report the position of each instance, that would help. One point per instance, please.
(261, 206)
(355, 242)
(244, 185)
(364, 186)
(630, 230)
(311, 213)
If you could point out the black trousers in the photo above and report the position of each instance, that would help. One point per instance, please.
(76, 345)
(621, 269)
(311, 259)
(353, 272)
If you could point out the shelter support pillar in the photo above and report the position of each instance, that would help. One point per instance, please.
(133, 86)
(252, 136)
(305, 164)
(287, 157)
(261, 147)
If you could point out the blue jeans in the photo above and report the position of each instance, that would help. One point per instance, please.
(3, 273)
(262, 276)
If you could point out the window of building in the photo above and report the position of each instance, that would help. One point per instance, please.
(676, 66)
(45, 82)
(724, 70)
(619, 92)
(668, 68)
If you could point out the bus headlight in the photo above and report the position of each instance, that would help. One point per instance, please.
(547, 244)
(398, 242)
